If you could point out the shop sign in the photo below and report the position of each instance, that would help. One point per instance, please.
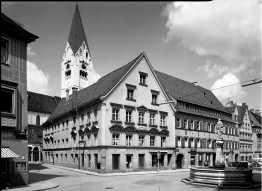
(20, 166)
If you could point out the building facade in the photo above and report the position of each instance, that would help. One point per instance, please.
(40, 107)
(114, 125)
(245, 130)
(197, 113)
(14, 145)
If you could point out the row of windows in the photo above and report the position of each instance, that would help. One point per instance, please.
(141, 117)
(203, 143)
(65, 124)
(245, 136)
(141, 140)
(202, 109)
(245, 148)
(203, 126)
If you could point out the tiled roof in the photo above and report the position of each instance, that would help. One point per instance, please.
(189, 92)
(38, 129)
(42, 103)
(12, 28)
(231, 109)
(257, 118)
(77, 34)
(92, 93)
(241, 112)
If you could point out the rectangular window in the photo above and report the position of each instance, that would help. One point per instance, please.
(141, 117)
(130, 94)
(142, 79)
(128, 116)
(152, 119)
(152, 141)
(154, 99)
(129, 140)
(162, 120)
(186, 123)
(141, 140)
(129, 161)
(115, 161)
(115, 114)
(178, 123)
(192, 124)
(7, 100)
(198, 125)
(163, 141)
(115, 140)
(4, 50)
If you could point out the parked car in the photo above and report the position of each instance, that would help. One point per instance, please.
(256, 162)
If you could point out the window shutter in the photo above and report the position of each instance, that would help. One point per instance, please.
(195, 143)
(189, 143)
(176, 142)
(195, 125)
(201, 125)
(189, 124)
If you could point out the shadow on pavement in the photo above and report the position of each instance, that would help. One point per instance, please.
(36, 166)
(37, 177)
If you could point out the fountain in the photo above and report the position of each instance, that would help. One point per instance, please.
(235, 175)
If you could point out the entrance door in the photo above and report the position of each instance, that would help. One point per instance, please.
(141, 160)
(169, 156)
(115, 160)
(179, 160)
(36, 154)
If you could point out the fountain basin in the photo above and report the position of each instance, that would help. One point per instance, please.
(229, 177)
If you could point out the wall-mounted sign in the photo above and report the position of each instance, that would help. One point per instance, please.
(20, 166)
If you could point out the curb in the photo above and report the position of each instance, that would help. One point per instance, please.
(45, 185)
(117, 174)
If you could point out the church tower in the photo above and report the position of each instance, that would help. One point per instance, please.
(76, 66)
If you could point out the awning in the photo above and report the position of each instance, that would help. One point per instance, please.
(8, 153)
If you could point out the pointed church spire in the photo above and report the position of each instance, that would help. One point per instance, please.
(77, 34)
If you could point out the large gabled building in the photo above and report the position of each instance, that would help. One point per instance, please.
(256, 131)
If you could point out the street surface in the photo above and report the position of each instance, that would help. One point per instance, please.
(69, 180)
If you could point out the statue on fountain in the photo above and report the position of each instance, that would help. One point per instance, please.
(219, 129)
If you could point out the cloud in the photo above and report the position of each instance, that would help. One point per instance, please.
(225, 28)
(214, 69)
(233, 92)
(37, 80)
(30, 52)
(96, 76)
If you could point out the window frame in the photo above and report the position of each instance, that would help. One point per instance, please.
(115, 114)
(115, 139)
(7, 62)
(13, 90)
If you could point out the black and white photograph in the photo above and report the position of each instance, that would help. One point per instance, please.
(131, 95)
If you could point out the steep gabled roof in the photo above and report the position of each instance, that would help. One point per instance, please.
(256, 118)
(241, 112)
(77, 34)
(42, 103)
(92, 93)
(189, 92)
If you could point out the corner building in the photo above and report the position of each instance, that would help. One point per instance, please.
(116, 124)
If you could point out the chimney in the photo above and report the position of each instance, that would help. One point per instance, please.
(74, 89)
(67, 94)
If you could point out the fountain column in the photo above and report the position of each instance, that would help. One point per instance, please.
(220, 158)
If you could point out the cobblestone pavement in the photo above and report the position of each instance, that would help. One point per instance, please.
(71, 180)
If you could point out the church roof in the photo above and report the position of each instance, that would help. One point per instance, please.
(42, 103)
(77, 34)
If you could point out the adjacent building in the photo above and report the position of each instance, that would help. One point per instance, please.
(40, 107)
(14, 145)
(256, 131)
(243, 116)
(197, 112)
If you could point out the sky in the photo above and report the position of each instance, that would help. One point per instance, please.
(215, 43)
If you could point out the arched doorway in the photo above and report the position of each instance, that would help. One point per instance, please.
(179, 161)
(36, 154)
(29, 153)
